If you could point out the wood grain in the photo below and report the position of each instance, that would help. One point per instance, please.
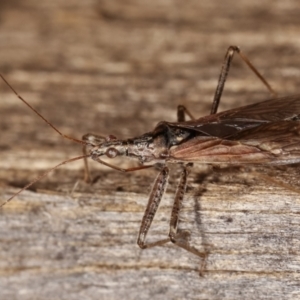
(119, 67)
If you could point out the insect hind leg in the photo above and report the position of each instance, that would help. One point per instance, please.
(224, 73)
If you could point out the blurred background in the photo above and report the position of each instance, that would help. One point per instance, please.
(83, 62)
(120, 67)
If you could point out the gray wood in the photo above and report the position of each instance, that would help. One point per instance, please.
(119, 67)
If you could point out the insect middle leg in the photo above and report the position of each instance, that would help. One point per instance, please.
(181, 112)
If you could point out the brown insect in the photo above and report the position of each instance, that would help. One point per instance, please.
(261, 133)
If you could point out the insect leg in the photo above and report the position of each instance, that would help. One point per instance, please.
(181, 112)
(181, 238)
(224, 72)
(156, 195)
(178, 238)
(87, 173)
(89, 138)
(178, 203)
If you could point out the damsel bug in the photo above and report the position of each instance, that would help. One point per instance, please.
(261, 133)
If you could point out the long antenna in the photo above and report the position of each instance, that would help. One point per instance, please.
(43, 118)
(44, 175)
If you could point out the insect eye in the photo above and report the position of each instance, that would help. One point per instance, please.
(111, 152)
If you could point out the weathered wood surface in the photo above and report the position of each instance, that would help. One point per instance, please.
(119, 67)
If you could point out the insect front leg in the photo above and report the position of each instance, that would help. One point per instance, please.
(87, 173)
(176, 237)
(89, 138)
(155, 197)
